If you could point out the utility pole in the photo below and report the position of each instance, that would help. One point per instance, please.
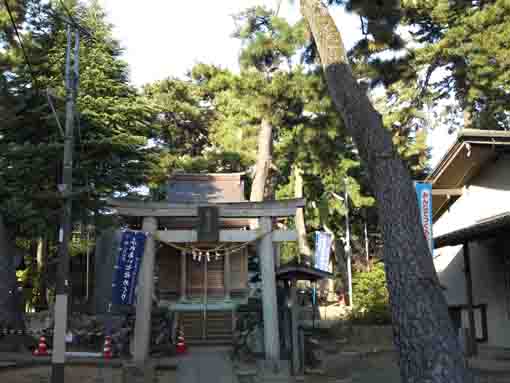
(348, 249)
(62, 288)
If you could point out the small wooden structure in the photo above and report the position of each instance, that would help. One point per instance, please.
(291, 274)
(195, 225)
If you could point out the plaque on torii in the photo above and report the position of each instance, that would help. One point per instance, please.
(208, 229)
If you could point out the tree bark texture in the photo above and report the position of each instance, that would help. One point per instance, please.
(260, 187)
(304, 249)
(11, 314)
(429, 350)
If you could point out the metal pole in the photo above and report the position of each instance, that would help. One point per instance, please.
(204, 313)
(366, 246)
(314, 292)
(348, 242)
(87, 268)
(62, 288)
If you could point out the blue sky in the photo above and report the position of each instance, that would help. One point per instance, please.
(165, 38)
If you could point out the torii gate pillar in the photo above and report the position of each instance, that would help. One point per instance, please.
(269, 303)
(144, 296)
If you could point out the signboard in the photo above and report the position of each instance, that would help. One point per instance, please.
(125, 274)
(424, 193)
(208, 224)
(323, 242)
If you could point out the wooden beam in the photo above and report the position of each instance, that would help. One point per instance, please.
(450, 192)
(279, 208)
(285, 236)
(472, 346)
(177, 236)
(239, 236)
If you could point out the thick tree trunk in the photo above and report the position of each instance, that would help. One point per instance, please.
(304, 249)
(11, 314)
(428, 346)
(260, 187)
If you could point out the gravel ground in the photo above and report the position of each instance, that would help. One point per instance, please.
(76, 374)
(81, 374)
(380, 367)
(376, 368)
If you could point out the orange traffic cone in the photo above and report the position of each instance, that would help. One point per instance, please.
(181, 345)
(107, 349)
(42, 348)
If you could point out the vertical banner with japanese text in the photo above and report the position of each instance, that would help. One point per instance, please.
(323, 242)
(129, 259)
(424, 194)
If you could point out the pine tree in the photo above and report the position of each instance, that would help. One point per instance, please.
(113, 126)
(424, 335)
(112, 129)
(453, 66)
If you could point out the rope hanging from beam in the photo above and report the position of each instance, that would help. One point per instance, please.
(215, 252)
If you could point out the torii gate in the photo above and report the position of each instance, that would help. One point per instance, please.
(265, 212)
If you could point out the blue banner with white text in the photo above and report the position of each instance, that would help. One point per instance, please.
(424, 194)
(323, 242)
(129, 259)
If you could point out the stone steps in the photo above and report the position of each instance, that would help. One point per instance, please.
(218, 327)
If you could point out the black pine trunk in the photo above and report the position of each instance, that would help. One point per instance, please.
(428, 346)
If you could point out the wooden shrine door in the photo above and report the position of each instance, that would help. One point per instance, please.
(195, 279)
(206, 287)
(215, 279)
(205, 279)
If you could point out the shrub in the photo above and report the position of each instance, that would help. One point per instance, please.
(371, 298)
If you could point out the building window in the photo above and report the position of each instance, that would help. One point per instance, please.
(460, 319)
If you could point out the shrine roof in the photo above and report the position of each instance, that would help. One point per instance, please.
(301, 273)
(210, 187)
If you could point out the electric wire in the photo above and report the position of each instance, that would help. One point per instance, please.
(25, 56)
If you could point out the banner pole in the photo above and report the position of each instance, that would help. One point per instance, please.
(348, 243)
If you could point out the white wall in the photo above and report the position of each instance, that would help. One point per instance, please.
(486, 196)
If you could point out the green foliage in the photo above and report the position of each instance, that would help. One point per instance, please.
(268, 41)
(454, 66)
(113, 124)
(371, 298)
(182, 122)
(209, 121)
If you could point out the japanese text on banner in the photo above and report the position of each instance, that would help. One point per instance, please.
(323, 243)
(424, 194)
(125, 276)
